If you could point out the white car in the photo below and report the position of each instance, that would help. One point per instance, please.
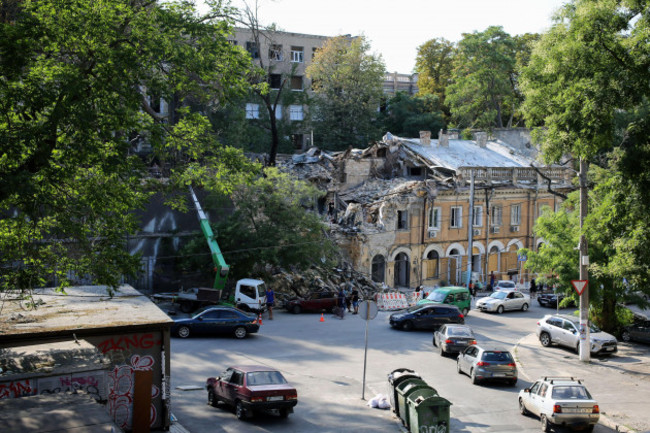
(503, 300)
(560, 401)
(505, 285)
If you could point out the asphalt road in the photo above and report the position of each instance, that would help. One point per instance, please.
(325, 361)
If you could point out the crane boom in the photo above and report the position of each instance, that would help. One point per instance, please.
(220, 266)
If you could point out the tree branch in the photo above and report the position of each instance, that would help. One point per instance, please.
(548, 183)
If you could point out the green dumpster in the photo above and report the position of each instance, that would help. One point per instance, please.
(405, 388)
(427, 411)
(394, 379)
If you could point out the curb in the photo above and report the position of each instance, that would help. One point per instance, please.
(603, 419)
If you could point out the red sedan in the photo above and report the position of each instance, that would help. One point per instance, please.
(252, 388)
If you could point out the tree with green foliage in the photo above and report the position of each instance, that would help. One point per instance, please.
(273, 223)
(587, 84)
(347, 81)
(484, 92)
(434, 65)
(407, 115)
(77, 85)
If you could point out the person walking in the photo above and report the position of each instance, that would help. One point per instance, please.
(355, 301)
(270, 301)
(341, 303)
(533, 288)
(491, 281)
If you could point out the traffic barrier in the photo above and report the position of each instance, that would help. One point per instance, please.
(415, 297)
(392, 301)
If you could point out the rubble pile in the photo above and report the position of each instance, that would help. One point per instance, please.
(288, 284)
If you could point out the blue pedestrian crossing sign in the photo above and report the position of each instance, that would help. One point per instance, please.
(522, 257)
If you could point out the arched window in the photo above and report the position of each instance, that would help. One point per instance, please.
(433, 264)
(402, 270)
(378, 272)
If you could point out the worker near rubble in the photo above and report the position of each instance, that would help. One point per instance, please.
(270, 301)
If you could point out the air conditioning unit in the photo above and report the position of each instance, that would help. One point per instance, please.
(433, 233)
(514, 228)
(495, 229)
(476, 232)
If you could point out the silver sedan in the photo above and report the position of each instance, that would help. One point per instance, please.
(504, 300)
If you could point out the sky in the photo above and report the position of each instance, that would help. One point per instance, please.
(396, 28)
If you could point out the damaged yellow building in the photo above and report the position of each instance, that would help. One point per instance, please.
(402, 208)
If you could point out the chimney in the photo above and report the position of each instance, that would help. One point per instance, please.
(443, 139)
(425, 138)
(481, 139)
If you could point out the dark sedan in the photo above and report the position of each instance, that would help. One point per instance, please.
(639, 331)
(252, 388)
(318, 302)
(552, 299)
(217, 320)
(453, 338)
(426, 316)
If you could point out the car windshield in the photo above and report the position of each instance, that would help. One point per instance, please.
(570, 392)
(436, 296)
(498, 295)
(594, 328)
(414, 308)
(497, 356)
(459, 332)
(264, 378)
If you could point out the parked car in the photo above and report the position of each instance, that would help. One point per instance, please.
(452, 295)
(252, 388)
(551, 299)
(217, 320)
(426, 316)
(453, 338)
(638, 331)
(486, 362)
(319, 302)
(505, 285)
(563, 330)
(504, 300)
(560, 401)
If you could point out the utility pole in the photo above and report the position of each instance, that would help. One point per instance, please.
(585, 342)
(470, 229)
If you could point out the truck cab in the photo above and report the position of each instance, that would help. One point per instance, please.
(250, 295)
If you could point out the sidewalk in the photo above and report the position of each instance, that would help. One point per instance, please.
(620, 383)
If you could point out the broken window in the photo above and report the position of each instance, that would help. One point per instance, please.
(478, 216)
(296, 82)
(297, 54)
(378, 269)
(415, 171)
(456, 219)
(253, 49)
(496, 215)
(433, 262)
(402, 220)
(275, 81)
(275, 52)
(252, 111)
(435, 215)
(515, 214)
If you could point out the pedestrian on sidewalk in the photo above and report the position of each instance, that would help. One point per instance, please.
(533, 288)
(355, 301)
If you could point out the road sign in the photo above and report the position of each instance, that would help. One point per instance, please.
(522, 257)
(368, 310)
(579, 285)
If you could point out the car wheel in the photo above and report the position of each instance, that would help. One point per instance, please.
(458, 369)
(472, 374)
(545, 339)
(240, 332)
(184, 331)
(284, 413)
(578, 347)
(442, 351)
(296, 309)
(524, 307)
(513, 382)
(240, 412)
(407, 326)
(625, 336)
(434, 341)
(212, 399)
(522, 407)
(589, 429)
(500, 309)
(186, 307)
(546, 426)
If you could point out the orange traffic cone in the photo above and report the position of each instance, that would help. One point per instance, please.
(322, 319)
(259, 319)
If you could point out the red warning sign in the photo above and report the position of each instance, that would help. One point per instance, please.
(579, 285)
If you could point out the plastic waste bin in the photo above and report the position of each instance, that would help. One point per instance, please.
(427, 411)
(394, 379)
(404, 389)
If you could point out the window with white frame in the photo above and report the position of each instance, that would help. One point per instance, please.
(456, 220)
(496, 215)
(295, 112)
(278, 111)
(297, 54)
(252, 111)
(478, 216)
(515, 214)
(275, 52)
(435, 217)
